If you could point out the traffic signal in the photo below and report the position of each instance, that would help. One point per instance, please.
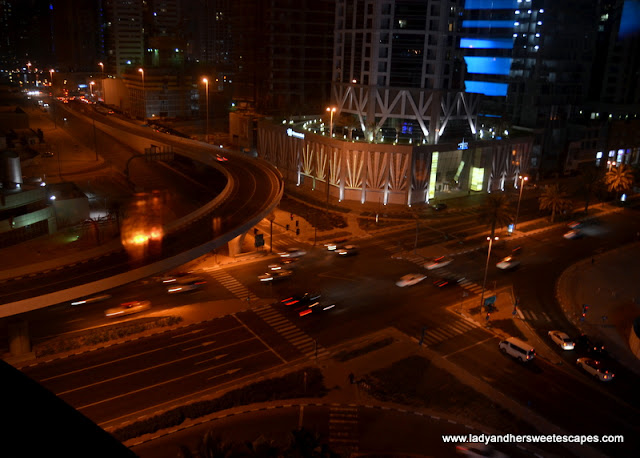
(585, 309)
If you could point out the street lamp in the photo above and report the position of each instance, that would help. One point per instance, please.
(486, 269)
(144, 104)
(522, 180)
(101, 68)
(91, 86)
(51, 77)
(331, 110)
(206, 82)
(28, 70)
(609, 164)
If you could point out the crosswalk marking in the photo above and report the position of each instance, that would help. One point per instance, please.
(290, 332)
(530, 315)
(436, 335)
(343, 428)
(233, 285)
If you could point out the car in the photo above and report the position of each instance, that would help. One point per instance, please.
(332, 246)
(478, 449)
(301, 299)
(186, 284)
(596, 368)
(314, 307)
(92, 299)
(437, 263)
(347, 250)
(128, 308)
(275, 275)
(47, 154)
(563, 340)
(174, 278)
(575, 224)
(410, 280)
(510, 262)
(220, 158)
(573, 234)
(293, 253)
(442, 282)
(440, 206)
(585, 344)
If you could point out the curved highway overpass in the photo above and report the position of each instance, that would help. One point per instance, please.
(253, 190)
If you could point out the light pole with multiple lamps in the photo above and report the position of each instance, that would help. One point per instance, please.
(144, 98)
(522, 180)
(206, 83)
(486, 269)
(331, 111)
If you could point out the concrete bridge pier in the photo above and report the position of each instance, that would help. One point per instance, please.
(235, 245)
(19, 340)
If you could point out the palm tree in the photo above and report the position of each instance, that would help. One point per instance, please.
(590, 184)
(496, 211)
(554, 198)
(619, 179)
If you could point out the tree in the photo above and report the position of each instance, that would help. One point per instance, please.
(619, 179)
(590, 184)
(496, 211)
(554, 198)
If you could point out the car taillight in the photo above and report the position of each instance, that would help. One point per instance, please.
(305, 312)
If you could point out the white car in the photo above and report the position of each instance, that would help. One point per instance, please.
(410, 279)
(595, 368)
(128, 308)
(293, 253)
(478, 450)
(562, 340)
(275, 275)
(438, 263)
(573, 234)
(92, 299)
(186, 285)
(510, 262)
(347, 250)
(332, 246)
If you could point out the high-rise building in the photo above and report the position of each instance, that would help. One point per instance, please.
(124, 34)
(398, 68)
(282, 54)
(77, 35)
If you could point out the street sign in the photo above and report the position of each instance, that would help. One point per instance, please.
(489, 300)
(259, 240)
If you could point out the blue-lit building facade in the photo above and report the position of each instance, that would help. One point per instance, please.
(404, 125)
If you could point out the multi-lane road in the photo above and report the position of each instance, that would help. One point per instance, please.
(115, 383)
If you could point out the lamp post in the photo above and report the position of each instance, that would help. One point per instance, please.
(104, 97)
(51, 77)
(331, 110)
(486, 269)
(144, 104)
(206, 83)
(522, 180)
(28, 71)
(91, 86)
(609, 164)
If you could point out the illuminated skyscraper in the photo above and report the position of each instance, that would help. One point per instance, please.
(397, 67)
